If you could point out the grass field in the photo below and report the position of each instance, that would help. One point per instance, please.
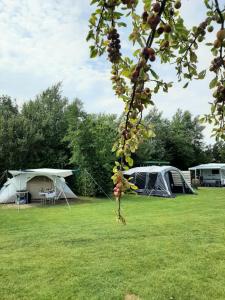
(169, 249)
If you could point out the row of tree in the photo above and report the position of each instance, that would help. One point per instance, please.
(52, 132)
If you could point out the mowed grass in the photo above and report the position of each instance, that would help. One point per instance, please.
(169, 249)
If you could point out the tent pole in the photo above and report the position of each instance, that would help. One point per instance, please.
(67, 202)
(97, 184)
(62, 192)
(18, 204)
(54, 187)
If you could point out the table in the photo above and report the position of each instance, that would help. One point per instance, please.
(50, 196)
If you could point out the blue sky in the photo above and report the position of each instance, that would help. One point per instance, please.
(43, 42)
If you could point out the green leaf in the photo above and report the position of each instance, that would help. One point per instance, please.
(117, 15)
(207, 4)
(192, 69)
(186, 85)
(94, 52)
(114, 148)
(188, 76)
(133, 187)
(126, 168)
(137, 52)
(213, 83)
(130, 161)
(90, 35)
(92, 20)
(202, 74)
(122, 24)
(213, 108)
(126, 73)
(193, 57)
(202, 119)
(154, 74)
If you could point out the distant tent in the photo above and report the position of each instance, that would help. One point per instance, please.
(35, 181)
(163, 181)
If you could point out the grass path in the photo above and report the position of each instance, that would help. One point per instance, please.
(170, 249)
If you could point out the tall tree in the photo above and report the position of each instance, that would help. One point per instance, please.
(91, 149)
(186, 140)
(44, 128)
(179, 141)
(154, 148)
(9, 133)
(218, 152)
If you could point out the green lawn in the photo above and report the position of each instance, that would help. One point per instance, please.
(169, 249)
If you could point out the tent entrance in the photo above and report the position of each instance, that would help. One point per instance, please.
(152, 177)
(140, 180)
(145, 180)
(176, 183)
(38, 184)
(150, 184)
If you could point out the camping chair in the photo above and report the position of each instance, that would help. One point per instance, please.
(51, 197)
(43, 198)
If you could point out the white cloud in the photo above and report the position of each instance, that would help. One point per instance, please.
(43, 42)
(42, 38)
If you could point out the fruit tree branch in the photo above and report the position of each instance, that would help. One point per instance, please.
(148, 44)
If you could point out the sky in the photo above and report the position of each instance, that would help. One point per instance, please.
(43, 42)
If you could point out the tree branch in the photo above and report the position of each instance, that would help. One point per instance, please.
(220, 13)
(148, 44)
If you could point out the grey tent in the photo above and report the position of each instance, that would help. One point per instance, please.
(163, 181)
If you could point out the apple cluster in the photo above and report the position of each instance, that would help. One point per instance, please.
(219, 94)
(129, 3)
(118, 83)
(216, 64)
(220, 37)
(153, 19)
(114, 46)
(118, 189)
(200, 31)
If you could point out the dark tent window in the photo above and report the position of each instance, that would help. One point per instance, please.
(151, 180)
(140, 180)
(215, 172)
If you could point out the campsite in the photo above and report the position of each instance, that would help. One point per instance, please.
(169, 249)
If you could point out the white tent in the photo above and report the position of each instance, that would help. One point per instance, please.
(212, 174)
(35, 182)
(163, 181)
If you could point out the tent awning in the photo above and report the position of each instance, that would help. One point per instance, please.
(43, 172)
(149, 169)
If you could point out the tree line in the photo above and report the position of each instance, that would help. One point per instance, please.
(50, 131)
